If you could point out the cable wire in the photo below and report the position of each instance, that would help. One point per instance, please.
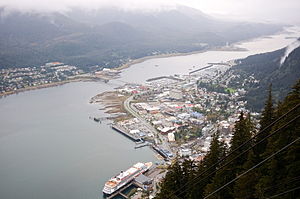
(245, 151)
(283, 193)
(257, 165)
(239, 147)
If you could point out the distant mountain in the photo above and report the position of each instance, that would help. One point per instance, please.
(110, 37)
(266, 68)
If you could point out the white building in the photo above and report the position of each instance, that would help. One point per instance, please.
(185, 152)
(171, 137)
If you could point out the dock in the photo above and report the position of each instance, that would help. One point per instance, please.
(210, 65)
(221, 64)
(143, 145)
(163, 77)
(126, 134)
(161, 152)
(197, 70)
(119, 192)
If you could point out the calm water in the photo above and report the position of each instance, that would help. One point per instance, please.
(50, 149)
(181, 64)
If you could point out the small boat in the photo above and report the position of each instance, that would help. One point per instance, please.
(96, 119)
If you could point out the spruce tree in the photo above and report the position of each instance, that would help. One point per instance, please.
(245, 186)
(207, 168)
(173, 185)
(267, 117)
(234, 166)
(279, 172)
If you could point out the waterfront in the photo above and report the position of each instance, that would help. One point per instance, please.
(49, 148)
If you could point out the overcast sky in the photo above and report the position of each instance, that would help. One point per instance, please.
(287, 11)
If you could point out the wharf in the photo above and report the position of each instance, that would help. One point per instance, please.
(210, 65)
(206, 67)
(126, 134)
(120, 192)
(143, 145)
(164, 77)
(161, 152)
(221, 64)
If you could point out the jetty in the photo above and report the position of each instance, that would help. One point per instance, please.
(164, 77)
(211, 65)
(167, 155)
(126, 134)
(197, 70)
(143, 145)
(221, 64)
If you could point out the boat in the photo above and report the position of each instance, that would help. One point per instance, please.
(123, 178)
(96, 119)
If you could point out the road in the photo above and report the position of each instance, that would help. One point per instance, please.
(133, 111)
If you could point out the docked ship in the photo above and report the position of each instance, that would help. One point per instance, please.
(125, 177)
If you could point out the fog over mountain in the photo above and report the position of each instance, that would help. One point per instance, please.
(254, 10)
(111, 36)
(109, 33)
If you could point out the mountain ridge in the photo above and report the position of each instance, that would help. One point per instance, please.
(110, 38)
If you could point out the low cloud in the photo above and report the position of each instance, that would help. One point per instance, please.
(256, 10)
(65, 5)
(290, 48)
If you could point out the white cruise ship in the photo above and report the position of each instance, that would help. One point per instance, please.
(125, 177)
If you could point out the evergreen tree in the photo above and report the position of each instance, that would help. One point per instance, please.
(245, 185)
(173, 185)
(278, 175)
(207, 168)
(234, 165)
(267, 117)
(282, 168)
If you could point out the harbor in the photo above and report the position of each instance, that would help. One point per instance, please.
(81, 160)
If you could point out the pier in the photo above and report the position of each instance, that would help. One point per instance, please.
(210, 65)
(165, 154)
(126, 134)
(143, 145)
(221, 64)
(120, 192)
(197, 70)
(163, 77)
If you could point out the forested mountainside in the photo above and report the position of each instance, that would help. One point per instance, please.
(111, 37)
(257, 72)
(263, 164)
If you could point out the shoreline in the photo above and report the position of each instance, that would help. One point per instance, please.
(49, 85)
(143, 59)
(120, 68)
(233, 47)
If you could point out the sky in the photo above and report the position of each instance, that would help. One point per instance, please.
(286, 11)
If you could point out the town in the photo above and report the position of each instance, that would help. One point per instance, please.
(177, 115)
(15, 79)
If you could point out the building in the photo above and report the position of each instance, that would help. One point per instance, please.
(185, 152)
(171, 137)
(175, 94)
(143, 182)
